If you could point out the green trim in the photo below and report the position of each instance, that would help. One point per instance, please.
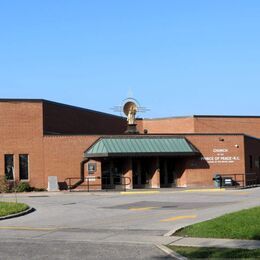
(140, 146)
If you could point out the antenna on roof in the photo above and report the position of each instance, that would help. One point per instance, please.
(130, 107)
(134, 102)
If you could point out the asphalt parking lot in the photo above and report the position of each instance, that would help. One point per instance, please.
(113, 225)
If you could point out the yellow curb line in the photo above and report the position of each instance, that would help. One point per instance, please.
(178, 218)
(144, 208)
(27, 228)
(205, 190)
(138, 192)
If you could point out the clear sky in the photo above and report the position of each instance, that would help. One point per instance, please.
(177, 57)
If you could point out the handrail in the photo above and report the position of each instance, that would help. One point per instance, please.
(123, 181)
(243, 181)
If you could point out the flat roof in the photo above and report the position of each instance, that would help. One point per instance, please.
(36, 100)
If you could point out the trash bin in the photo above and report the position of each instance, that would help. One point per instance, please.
(217, 181)
(227, 181)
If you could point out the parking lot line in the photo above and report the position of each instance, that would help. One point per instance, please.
(27, 228)
(178, 218)
(143, 208)
(242, 193)
(205, 190)
(138, 192)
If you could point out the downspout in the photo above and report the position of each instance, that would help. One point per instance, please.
(82, 167)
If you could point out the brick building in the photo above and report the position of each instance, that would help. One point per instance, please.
(41, 138)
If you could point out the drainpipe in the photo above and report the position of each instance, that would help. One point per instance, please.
(82, 168)
(82, 164)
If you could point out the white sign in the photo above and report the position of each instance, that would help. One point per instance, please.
(220, 156)
(53, 183)
(90, 178)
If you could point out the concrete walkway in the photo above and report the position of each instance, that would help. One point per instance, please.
(213, 242)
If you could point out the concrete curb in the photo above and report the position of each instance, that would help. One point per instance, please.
(216, 242)
(170, 252)
(171, 232)
(19, 214)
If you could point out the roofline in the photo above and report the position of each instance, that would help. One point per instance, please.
(143, 154)
(39, 100)
(199, 116)
(36, 100)
(151, 135)
(163, 118)
(224, 116)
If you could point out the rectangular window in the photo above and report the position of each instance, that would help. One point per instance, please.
(9, 166)
(251, 161)
(23, 166)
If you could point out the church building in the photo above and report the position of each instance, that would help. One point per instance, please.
(86, 149)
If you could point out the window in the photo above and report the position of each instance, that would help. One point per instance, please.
(251, 161)
(9, 166)
(23, 166)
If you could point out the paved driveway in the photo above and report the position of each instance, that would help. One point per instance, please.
(111, 225)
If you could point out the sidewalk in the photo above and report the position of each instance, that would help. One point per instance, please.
(215, 242)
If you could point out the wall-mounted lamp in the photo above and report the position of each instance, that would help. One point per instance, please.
(236, 145)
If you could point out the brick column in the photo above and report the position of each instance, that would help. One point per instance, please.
(155, 174)
(128, 172)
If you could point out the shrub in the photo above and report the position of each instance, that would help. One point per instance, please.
(22, 187)
(4, 185)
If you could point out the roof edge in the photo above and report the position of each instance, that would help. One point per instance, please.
(38, 100)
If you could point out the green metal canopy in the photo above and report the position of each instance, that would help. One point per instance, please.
(140, 146)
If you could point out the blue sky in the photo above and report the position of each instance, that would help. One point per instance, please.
(177, 57)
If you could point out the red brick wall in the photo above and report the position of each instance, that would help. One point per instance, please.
(21, 133)
(63, 154)
(249, 126)
(200, 172)
(63, 119)
(167, 125)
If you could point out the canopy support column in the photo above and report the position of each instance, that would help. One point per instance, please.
(155, 176)
(128, 173)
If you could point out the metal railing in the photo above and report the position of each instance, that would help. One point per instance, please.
(105, 183)
(241, 179)
(251, 179)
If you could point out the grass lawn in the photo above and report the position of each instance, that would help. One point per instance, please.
(211, 253)
(7, 208)
(243, 224)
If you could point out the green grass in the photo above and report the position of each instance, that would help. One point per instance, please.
(243, 224)
(216, 253)
(8, 208)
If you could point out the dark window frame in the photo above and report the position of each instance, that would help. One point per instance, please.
(250, 162)
(9, 175)
(24, 167)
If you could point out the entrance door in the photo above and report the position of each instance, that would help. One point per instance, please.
(167, 172)
(111, 174)
(141, 172)
(146, 173)
(138, 178)
(106, 175)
